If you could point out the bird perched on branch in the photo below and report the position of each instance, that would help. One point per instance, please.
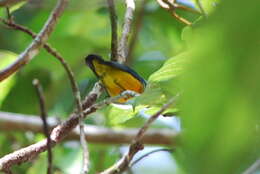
(115, 77)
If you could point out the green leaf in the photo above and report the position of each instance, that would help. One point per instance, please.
(171, 69)
(23, 90)
(186, 34)
(153, 95)
(120, 113)
(6, 58)
(220, 103)
(162, 85)
(153, 110)
(135, 122)
(17, 6)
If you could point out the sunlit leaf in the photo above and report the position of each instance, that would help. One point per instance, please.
(162, 84)
(134, 122)
(121, 113)
(6, 58)
(17, 6)
(171, 69)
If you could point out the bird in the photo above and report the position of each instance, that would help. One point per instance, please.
(115, 77)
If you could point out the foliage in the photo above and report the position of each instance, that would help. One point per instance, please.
(212, 65)
(219, 103)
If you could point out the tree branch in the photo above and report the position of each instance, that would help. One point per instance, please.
(136, 145)
(50, 50)
(43, 115)
(57, 134)
(123, 44)
(253, 167)
(171, 6)
(33, 49)
(149, 153)
(201, 8)
(94, 134)
(113, 21)
(84, 145)
(136, 29)
(74, 86)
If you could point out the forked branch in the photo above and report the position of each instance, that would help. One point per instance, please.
(33, 49)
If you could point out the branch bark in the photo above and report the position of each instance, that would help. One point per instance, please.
(150, 153)
(73, 83)
(136, 29)
(33, 49)
(58, 133)
(253, 167)
(50, 50)
(123, 44)
(171, 6)
(201, 8)
(114, 37)
(94, 134)
(45, 126)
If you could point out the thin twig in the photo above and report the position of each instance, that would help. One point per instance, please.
(84, 145)
(141, 132)
(129, 169)
(33, 49)
(167, 3)
(171, 6)
(136, 145)
(172, 9)
(113, 21)
(253, 167)
(149, 153)
(74, 86)
(123, 43)
(181, 19)
(58, 134)
(125, 94)
(136, 29)
(201, 8)
(43, 115)
(93, 95)
(53, 52)
(9, 16)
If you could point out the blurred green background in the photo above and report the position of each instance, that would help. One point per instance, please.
(214, 65)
